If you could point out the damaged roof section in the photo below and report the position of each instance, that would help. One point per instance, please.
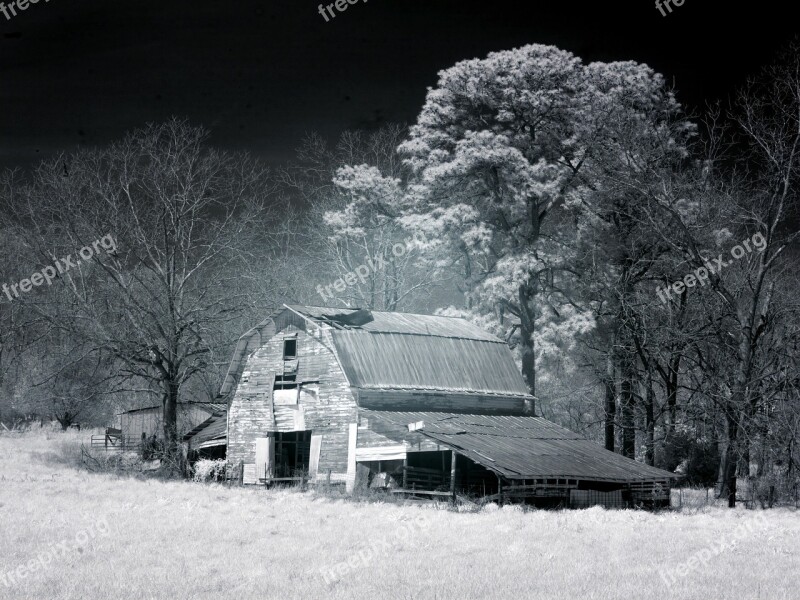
(393, 322)
(211, 432)
(517, 447)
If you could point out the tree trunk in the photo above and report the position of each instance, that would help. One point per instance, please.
(737, 409)
(527, 320)
(65, 420)
(610, 401)
(627, 404)
(672, 395)
(170, 403)
(650, 422)
(727, 467)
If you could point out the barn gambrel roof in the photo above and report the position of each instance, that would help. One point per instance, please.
(421, 353)
(401, 352)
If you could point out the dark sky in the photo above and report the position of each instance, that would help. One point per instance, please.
(261, 73)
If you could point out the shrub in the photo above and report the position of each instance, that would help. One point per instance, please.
(152, 448)
(209, 470)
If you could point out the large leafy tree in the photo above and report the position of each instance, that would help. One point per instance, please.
(507, 154)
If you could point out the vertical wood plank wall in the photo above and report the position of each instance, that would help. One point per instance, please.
(327, 408)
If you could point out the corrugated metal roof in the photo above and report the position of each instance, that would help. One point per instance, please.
(523, 447)
(415, 362)
(213, 428)
(410, 324)
(403, 352)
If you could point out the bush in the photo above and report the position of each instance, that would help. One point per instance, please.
(152, 448)
(209, 470)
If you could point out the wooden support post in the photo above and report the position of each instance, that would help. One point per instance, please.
(241, 472)
(499, 490)
(453, 475)
(405, 472)
(350, 482)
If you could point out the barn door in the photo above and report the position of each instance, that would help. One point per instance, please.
(265, 457)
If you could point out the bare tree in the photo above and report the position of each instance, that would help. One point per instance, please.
(173, 219)
(359, 253)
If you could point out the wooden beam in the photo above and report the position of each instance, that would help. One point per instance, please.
(500, 490)
(351, 457)
(453, 475)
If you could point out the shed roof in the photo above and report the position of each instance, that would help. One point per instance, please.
(211, 432)
(522, 447)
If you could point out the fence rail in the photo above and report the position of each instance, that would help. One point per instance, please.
(115, 443)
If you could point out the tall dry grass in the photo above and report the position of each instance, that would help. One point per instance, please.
(181, 540)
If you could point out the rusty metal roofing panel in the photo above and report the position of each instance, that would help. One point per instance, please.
(413, 362)
(524, 447)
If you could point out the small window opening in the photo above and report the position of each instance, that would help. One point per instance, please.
(290, 349)
(285, 382)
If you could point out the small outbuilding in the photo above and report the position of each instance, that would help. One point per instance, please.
(147, 421)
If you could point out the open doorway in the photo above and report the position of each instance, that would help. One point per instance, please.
(292, 453)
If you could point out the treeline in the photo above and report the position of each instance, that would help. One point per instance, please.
(640, 262)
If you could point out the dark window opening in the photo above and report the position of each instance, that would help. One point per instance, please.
(292, 453)
(285, 382)
(290, 349)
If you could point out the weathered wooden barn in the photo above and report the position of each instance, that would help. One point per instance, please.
(424, 403)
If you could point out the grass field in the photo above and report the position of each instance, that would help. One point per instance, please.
(65, 533)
